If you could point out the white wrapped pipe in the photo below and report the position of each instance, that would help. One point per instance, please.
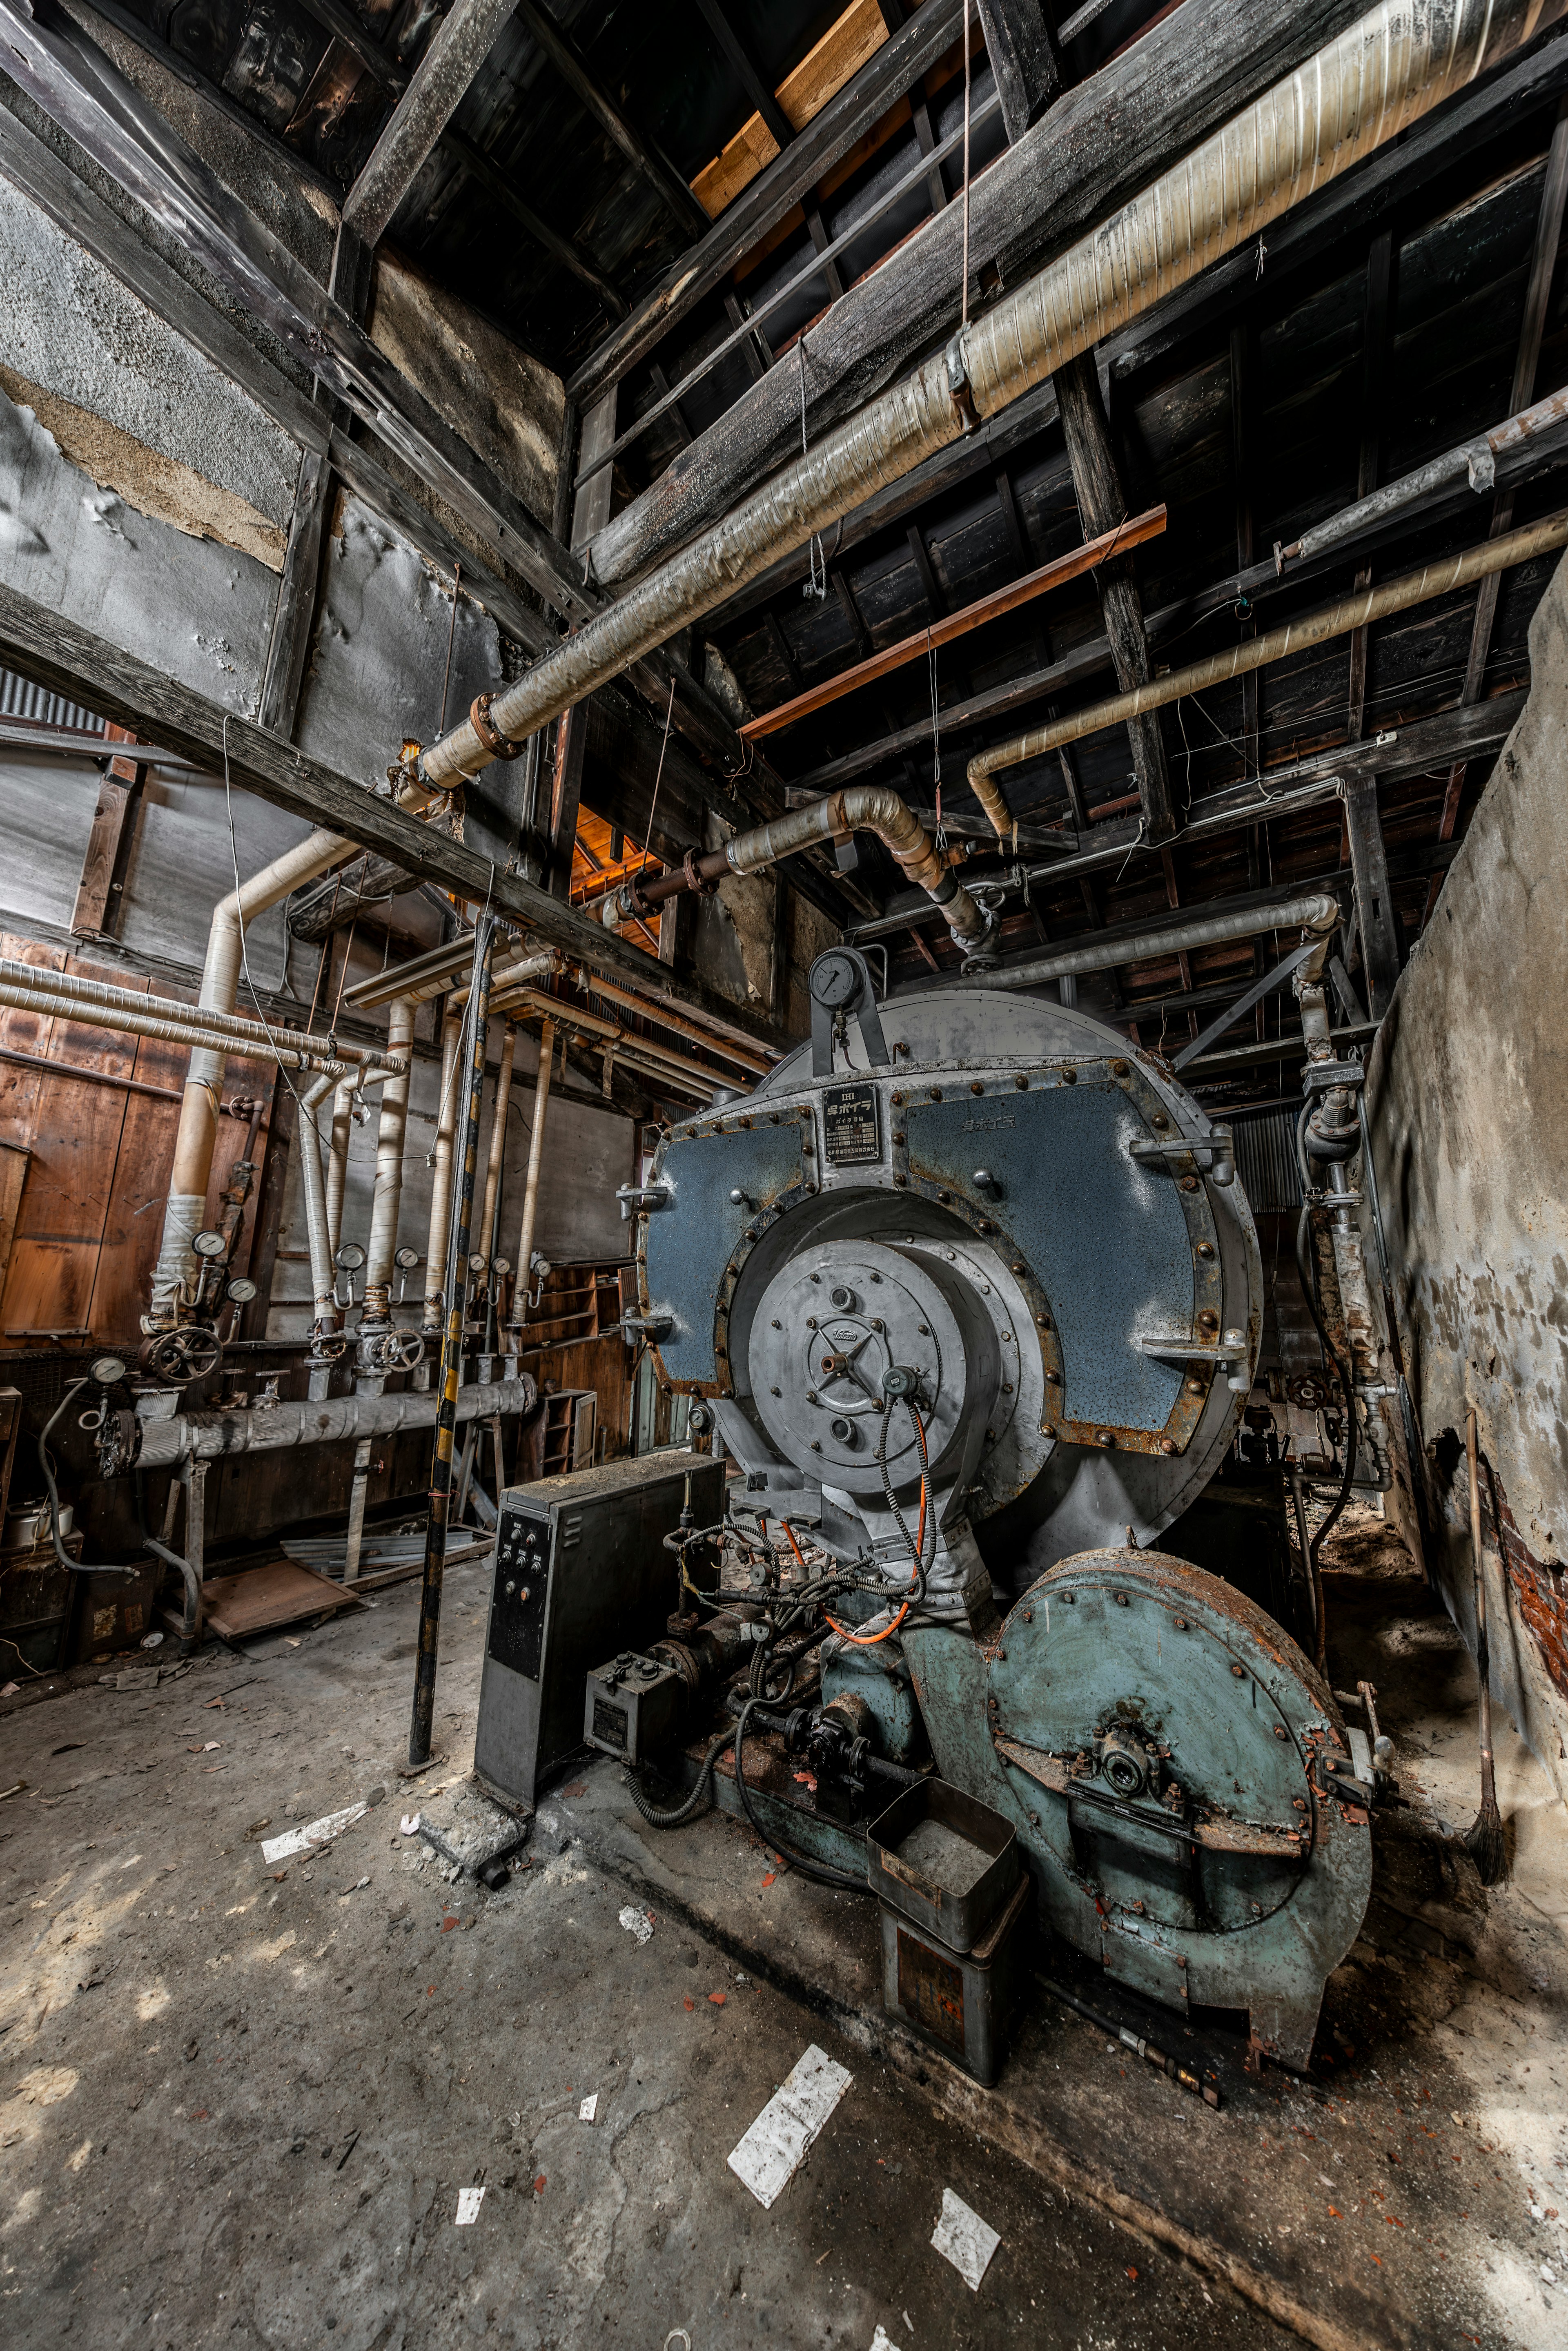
(198, 1125)
(388, 1196)
(441, 1178)
(312, 1182)
(251, 1037)
(132, 1018)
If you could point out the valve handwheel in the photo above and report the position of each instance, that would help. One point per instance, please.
(189, 1352)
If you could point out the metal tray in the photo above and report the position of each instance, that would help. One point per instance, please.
(945, 1861)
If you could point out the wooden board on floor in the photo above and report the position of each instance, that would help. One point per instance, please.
(260, 1599)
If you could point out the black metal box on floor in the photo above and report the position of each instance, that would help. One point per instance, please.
(579, 1564)
(961, 2002)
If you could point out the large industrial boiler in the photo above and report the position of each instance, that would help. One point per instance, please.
(969, 1294)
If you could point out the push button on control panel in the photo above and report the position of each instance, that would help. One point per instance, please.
(521, 1593)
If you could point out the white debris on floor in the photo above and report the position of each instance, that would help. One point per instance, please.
(637, 1923)
(469, 2202)
(769, 2154)
(317, 1833)
(962, 2238)
(589, 2108)
(880, 2341)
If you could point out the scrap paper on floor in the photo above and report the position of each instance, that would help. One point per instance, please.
(469, 2202)
(317, 1832)
(962, 2238)
(769, 2154)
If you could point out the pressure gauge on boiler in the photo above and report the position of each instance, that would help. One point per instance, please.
(209, 1244)
(240, 1291)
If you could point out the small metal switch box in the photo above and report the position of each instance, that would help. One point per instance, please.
(632, 1706)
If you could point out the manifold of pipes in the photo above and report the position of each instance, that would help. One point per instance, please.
(197, 1132)
(277, 1428)
(252, 1037)
(864, 808)
(1338, 619)
(1383, 73)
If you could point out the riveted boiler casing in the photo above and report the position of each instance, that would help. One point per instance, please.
(1034, 1230)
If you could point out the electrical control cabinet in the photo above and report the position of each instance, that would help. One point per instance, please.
(581, 1572)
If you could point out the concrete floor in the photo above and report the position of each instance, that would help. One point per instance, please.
(238, 2103)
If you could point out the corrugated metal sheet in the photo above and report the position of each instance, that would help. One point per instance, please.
(19, 698)
(1266, 1158)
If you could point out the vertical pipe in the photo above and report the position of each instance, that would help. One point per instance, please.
(356, 1510)
(456, 1303)
(323, 1281)
(441, 1182)
(521, 1272)
(388, 1196)
(337, 1157)
(497, 1141)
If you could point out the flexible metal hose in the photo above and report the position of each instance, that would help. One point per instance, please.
(700, 1800)
(46, 1464)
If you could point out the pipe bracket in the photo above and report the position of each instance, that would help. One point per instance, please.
(499, 745)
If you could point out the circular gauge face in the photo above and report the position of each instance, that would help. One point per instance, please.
(503, 1265)
(834, 980)
(108, 1371)
(209, 1244)
(350, 1257)
(241, 1290)
(406, 1259)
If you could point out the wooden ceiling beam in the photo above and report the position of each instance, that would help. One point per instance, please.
(1022, 46)
(793, 174)
(642, 153)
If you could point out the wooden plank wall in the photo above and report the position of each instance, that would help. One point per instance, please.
(86, 1224)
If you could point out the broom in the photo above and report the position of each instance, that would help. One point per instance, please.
(1484, 1842)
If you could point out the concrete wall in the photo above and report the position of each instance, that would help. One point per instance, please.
(1468, 1094)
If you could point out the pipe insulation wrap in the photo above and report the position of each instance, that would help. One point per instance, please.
(1396, 63)
(387, 1197)
(864, 808)
(313, 1184)
(1317, 912)
(208, 1436)
(441, 1176)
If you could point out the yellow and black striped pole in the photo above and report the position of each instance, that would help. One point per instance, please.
(456, 1303)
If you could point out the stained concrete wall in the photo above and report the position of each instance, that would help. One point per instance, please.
(1468, 1095)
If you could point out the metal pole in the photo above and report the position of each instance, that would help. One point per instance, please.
(522, 1271)
(455, 1303)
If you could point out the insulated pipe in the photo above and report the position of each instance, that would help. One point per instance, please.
(522, 1275)
(338, 1158)
(197, 1130)
(1383, 73)
(1474, 461)
(313, 1183)
(589, 1024)
(441, 1180)
(864, 808)
(498, 1112)
(388, 1195)
(329, 1420)
(1319, 913)
(1339, 620)
(712, 1039)
(133, 1020)
(249, 1035)
(515, 974)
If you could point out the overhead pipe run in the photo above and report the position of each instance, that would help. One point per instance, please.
(864, 808)
(250, 1036)
(1474, 460)
(133, 1018)
(1317, 912)
(1384, 72)
(1340, 620)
